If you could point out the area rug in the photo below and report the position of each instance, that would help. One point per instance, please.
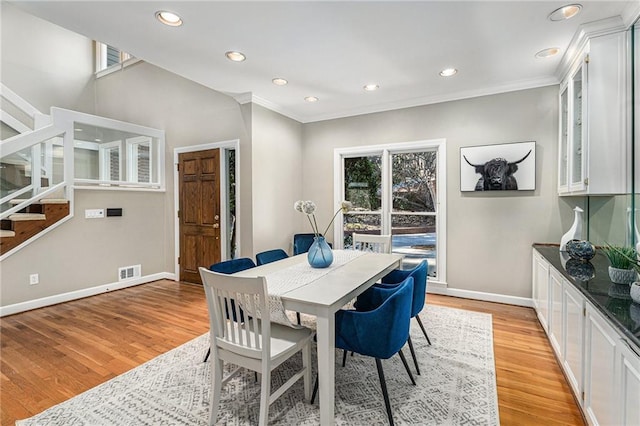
(457, 386)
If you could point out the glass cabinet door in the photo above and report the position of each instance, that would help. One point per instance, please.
(578, 101)
(563, 159)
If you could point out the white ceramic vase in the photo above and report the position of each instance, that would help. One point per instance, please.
(622, 276)
(575, 232)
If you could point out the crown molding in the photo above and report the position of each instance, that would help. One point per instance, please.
(631, 14)
(581, 37)
(429, 100)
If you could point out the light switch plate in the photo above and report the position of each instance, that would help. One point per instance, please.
(94, 214)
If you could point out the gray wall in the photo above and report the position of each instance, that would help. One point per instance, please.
(276, 166)
(489, 235)
(44, 63)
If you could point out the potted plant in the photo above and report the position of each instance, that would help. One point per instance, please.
(623, 263)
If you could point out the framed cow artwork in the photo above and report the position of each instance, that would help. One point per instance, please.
(502, 167)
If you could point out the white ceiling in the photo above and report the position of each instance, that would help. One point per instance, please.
(331, 49)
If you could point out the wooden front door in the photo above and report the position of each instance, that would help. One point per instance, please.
(199, 211)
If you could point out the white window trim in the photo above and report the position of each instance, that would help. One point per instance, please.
(132, 158)
(441, 188)
(101, 61)
(105, 160)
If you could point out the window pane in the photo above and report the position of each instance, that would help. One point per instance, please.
(144, 163)
(114, 163)
(414, 182)
(113, 56)
(414, 236)
(363, 182)
(360, 223)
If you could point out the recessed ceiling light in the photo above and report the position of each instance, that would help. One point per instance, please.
(448, 72)
(98, 140)
(311, 99)
(279, 81)
(78, 130)
(565, 12)
(371, 87)
(235, 56)
(545, 53)
(168, 18)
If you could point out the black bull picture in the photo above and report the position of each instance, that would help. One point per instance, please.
(494, 167)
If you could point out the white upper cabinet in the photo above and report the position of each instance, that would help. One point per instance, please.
(593, 148)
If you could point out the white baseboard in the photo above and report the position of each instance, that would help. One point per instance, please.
(440, 288)
(79, 294)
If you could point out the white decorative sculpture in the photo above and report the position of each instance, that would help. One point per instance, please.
(575, 232)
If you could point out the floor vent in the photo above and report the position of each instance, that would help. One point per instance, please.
(128, 272)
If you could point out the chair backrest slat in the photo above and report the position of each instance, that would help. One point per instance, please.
(372, 243)
(252, 335)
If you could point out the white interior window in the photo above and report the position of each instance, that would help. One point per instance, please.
(110, 161)
(139, 160)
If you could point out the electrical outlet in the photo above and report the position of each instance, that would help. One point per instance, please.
(34, 279)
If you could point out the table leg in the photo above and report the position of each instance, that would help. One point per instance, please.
(326, 366)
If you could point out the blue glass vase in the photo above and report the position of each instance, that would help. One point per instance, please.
(319, 254)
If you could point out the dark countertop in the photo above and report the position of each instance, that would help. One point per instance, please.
(612, 300)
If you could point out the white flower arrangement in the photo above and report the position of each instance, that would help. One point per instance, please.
(309, 207)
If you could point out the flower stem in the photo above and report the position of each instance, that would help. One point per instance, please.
(331, 222)
(312, 227)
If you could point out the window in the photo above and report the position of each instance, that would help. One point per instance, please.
(112, 154)
(110, 161)
(140, 164)
(396, 189)
(110, 58)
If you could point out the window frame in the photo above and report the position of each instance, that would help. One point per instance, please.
(132, 158)
(101, 60)
(386, 151)
(104, 159)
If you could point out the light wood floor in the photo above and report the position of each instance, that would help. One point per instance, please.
(52, 354)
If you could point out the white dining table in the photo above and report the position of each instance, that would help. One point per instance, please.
(323, 297)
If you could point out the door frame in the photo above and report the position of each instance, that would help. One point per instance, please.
(230, 144)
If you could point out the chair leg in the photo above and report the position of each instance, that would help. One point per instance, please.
(306, 364)
(413, 355)
(385, 394)
(315, 391)
(265, 393)
(423, 330)
(206, 357)
(406, 366)
(216, 390)
(344, 358)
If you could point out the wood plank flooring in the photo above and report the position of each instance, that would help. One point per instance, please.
(51, 354)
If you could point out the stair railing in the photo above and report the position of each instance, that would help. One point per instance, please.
(38, 144)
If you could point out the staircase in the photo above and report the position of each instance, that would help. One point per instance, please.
(34, 195)
(30, 221)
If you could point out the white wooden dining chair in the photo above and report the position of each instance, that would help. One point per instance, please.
(373, 243)
(255, 344)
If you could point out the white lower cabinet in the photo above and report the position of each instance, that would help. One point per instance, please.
(629, 386)
(556, 333)
(601, 365)
(573, 320)
(600, 384)
(541, 288)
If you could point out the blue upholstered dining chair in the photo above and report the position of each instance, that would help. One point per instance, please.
(270, 256)
(380, 332)
(302, 242)
(231, 267)
(367, 299)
